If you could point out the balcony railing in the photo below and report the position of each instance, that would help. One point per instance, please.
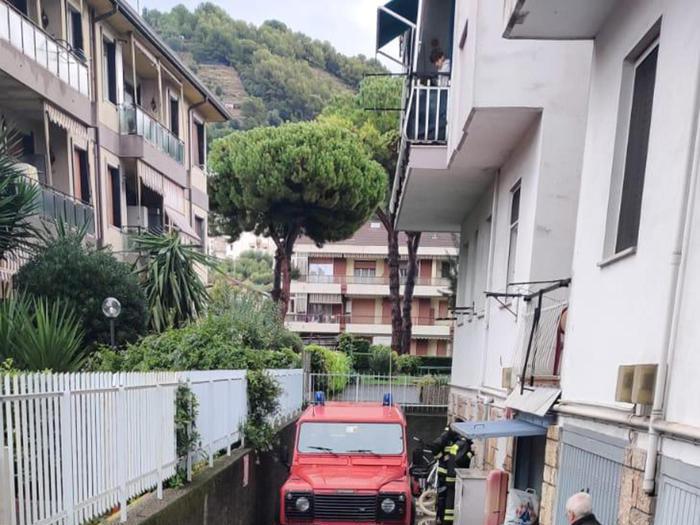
(56, 205)
(426, 118)
(51, 54)
(354, 319)
(370, 280)
(133, 120)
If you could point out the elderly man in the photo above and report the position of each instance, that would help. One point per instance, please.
(579, 510)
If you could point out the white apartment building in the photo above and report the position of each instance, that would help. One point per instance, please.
(635, 269)
(568, 149)
(343, 287)
(113, 124)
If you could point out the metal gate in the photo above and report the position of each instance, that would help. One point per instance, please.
(679, 500)
(591, 463)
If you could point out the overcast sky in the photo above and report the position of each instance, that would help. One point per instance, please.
(350, 25)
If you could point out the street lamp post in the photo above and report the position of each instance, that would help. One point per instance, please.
(111, 308)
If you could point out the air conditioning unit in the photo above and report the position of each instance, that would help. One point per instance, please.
(636, 384)
(507, 377)
(644, 384)
(625, 381)
(132, 216)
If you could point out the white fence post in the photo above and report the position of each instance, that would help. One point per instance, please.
(161, 413)
(67, 452)
(122, 446)
(189, 430)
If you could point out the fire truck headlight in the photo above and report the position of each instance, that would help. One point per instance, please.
(302, 504)
(388, 505)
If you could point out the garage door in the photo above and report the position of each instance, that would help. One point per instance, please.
(592, 463)
(679, 494)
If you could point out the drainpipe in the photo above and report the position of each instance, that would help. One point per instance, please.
(679, 259)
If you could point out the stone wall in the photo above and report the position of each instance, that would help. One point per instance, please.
(636, 507)
(551, 470)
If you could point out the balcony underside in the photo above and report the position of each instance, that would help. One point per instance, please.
(24, 82)
(557, 19)
(437, 198)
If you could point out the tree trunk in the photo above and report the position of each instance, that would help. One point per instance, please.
(277, 274)
(286, 277)
(411, 273)
(281, 290)
(394, 280)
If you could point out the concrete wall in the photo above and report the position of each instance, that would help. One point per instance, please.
(240, 490)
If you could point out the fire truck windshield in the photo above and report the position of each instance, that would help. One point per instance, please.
(351, 438)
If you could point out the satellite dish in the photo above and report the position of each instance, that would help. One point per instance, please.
(111, 308)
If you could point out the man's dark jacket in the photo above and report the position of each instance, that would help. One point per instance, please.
(586, 520)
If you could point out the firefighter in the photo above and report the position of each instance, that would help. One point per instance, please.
(452, 452)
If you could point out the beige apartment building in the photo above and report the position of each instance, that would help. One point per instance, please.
(344, 287)
(113, 123)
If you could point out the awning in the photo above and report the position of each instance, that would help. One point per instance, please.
(173, 195)
(535, 401)
(394, 19)
(181, 222)
(496, 429)
(71, 125)
(325, 298)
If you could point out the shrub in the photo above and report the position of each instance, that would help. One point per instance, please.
(335, 365)
(65, 270)
(351, 345)
(211, 343)
(254, 318)
(380, 359)
(263, 395)
(408, 364)
(36, 334)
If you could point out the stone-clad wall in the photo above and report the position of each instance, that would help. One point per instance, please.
(551, 471)
(636, 507)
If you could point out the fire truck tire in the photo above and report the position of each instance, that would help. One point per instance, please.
(427, 502)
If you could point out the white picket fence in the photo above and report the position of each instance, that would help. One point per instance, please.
(75, 446)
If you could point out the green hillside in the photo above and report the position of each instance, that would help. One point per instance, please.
(266, 75)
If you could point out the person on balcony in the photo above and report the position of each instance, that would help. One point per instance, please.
(443, 66)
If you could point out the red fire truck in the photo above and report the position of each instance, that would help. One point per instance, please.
(349, 465)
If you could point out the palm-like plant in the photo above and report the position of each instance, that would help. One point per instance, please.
(168, 272)
(19, 199)
(40, 335)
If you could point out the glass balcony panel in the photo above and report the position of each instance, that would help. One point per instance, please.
(41, 49)
(52, 52)
(28, 38)
(134, 120)
(83, 80)
(15, 23)
(4, 23)
(73, 78)
(62, 64)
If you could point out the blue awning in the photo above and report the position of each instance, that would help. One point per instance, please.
(394, 19)
(496, 429)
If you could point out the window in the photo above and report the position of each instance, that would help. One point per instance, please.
(446, 269)
(641, 79)
(109, 68)
(321, 272)
(366, 270)
(81, 175)
(200, 228)
(200, 137)
(175, 116)
(115, 197)
(75, 29)
(344, 438)
(513, 241)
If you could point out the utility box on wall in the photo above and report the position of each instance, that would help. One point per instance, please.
(470, 496)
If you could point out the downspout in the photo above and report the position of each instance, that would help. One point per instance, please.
(96, 126)
(679, 259)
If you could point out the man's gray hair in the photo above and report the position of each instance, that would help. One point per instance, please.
(580, 505)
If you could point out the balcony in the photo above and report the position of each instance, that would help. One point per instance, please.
(426, 119)
(58, 206)
(317, 323)
(555, 19)
(51, 54)
(381, 325)
(133, 120)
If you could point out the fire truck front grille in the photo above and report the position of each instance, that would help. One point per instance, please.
(345, 507)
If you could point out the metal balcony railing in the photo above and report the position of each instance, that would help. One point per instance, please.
(369, 280)
(426, 116)
(354, 319)
(133, 120)
(53, 55)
